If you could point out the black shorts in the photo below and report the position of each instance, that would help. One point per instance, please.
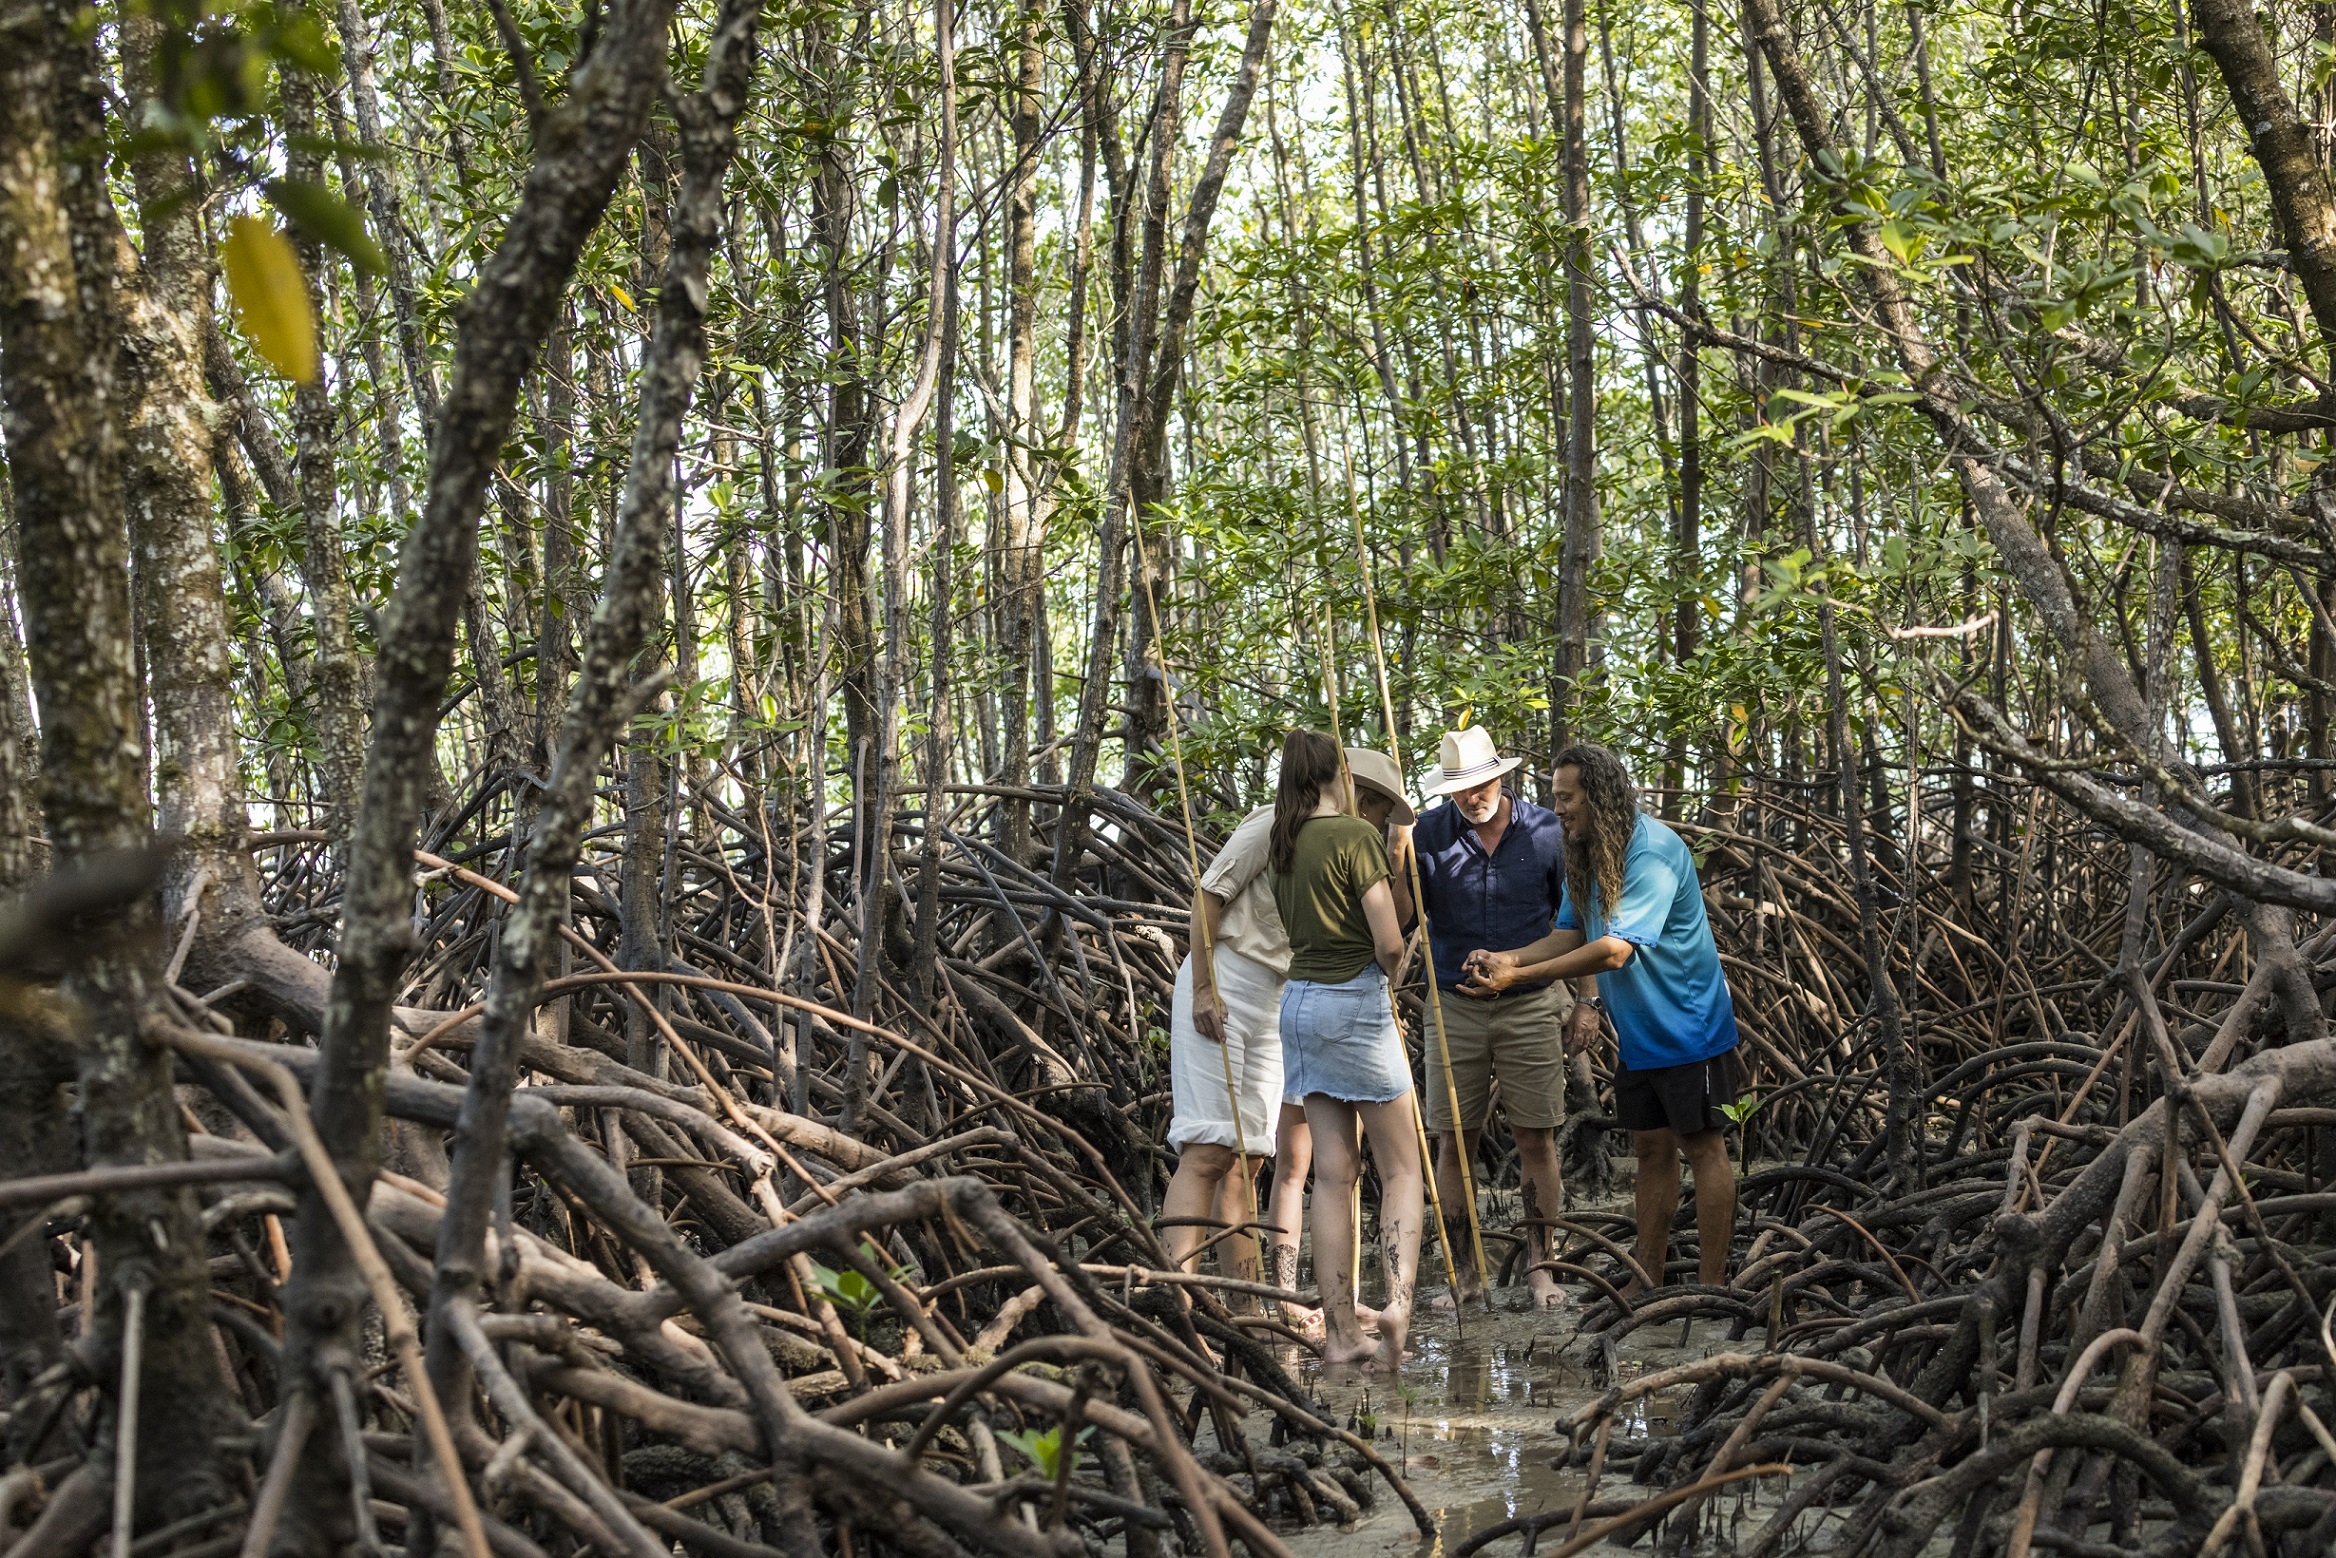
(1682, 1099)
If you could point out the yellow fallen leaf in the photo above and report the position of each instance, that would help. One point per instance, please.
(264, 282)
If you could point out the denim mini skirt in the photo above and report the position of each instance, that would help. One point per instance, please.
(1341, 1040)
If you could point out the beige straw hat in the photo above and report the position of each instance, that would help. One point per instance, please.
(1378, 770)
(1469, 759)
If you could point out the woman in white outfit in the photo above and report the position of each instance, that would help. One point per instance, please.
(1226, 1018)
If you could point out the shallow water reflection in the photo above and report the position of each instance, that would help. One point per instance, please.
(1471, 1424)
(1474, 1422)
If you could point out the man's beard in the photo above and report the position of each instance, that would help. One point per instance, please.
(1481, 812)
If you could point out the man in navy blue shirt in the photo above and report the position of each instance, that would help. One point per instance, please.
(1492, 869)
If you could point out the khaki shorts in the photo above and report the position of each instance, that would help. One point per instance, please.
(1521, 1039)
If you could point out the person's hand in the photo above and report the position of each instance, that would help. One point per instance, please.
(1209, 1015)
(1582, 1028)
(1489, 973)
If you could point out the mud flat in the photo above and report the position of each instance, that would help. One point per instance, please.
(1473, 1425)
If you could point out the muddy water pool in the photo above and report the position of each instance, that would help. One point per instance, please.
(1473, 1425)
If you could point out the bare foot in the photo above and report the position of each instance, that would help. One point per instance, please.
(1308, 1322)
(1358, 1350)
(1546, 1293)
(1442, 1303)
(1393, 1323)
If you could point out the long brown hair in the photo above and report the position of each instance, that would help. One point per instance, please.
(1597, 854)
(1311, 763)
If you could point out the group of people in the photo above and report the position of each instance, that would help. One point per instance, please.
(1544, 925)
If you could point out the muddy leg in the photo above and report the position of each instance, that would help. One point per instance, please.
(1452, 1194)
(1715, 1203)
(1543, 1194)
(1658, 1202)
(1395, 1148)
(1336, 1167)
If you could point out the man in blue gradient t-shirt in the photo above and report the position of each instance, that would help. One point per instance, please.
(1646, 938)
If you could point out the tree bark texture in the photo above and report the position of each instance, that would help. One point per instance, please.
(605, 695)
(2281, 140)
(1135, 334)
(501, 325)
(60, 389)
(1022, 553)
(171, 425)
(337, 708)
(1148, 478)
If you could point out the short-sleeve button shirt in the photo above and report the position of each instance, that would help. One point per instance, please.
(1250, 925)
(1494, 902)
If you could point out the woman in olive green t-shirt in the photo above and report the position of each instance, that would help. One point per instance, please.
(1341, 1052)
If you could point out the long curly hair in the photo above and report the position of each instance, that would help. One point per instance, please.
(1594, 855)
(1311, 765)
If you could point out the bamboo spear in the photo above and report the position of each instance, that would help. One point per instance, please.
(1418, 1125)
(1420, 907)
(1200, 915)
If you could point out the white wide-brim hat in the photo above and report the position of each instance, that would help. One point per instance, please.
(1469, 759)
(1378, 770)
